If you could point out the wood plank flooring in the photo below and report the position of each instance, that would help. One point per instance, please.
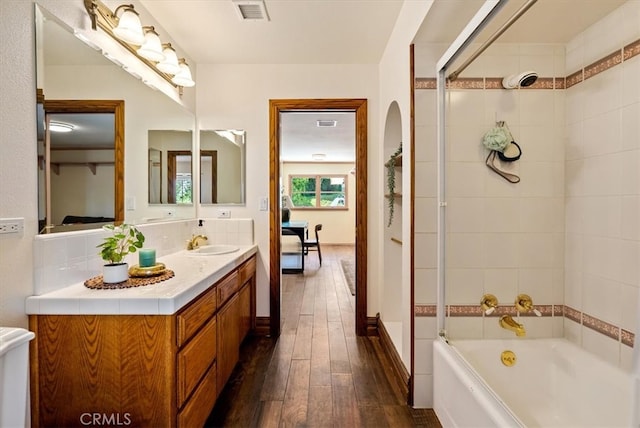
(318, 373)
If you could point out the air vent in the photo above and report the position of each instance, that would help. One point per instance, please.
(251, 10)
(326, 123)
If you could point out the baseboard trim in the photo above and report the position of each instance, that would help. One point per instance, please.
(396, 372)
(372, 326)
(263, 326)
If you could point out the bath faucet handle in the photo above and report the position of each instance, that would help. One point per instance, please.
(489, 303)
(524, 303)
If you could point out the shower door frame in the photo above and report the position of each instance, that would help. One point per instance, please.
(485, 14)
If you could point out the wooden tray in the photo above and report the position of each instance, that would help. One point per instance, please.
(97, 283)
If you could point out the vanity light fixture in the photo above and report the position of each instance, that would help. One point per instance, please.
(124, 26)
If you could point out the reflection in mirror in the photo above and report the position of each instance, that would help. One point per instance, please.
(173, 160)
(222, 167)
(155, 176)
(80, 164)
(69, 69)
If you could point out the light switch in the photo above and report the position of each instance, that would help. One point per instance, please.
(264, 204)
(131, 203)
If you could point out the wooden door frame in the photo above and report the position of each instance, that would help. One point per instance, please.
(101, 106)
(172, 171)
(214, 174)
(359, 107)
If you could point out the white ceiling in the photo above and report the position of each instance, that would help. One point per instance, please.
(547, 21)
(342, 32)
(298, 32)
(301, 137)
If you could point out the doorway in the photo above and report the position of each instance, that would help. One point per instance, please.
(359, 107)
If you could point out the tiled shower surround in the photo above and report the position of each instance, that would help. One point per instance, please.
(569, 233)
(611, 330)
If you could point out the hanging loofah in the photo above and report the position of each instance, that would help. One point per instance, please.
(497, 138)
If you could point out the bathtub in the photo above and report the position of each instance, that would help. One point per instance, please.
(553, 383)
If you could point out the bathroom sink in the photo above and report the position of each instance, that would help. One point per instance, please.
(214, 250)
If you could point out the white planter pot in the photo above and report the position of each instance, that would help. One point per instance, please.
(114, 273)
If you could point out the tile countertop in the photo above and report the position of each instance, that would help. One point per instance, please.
(193, 275)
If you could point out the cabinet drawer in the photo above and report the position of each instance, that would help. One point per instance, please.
(247, 270)
(191, 319)
(198, 408)
(227, 287)
(195, 359)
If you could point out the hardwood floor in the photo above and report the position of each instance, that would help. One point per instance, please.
(318, 372)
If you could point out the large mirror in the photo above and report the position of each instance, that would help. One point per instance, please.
(69, 69)
(222, 167)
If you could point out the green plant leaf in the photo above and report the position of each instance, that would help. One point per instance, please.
(125, 239)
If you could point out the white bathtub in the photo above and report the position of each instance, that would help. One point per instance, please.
(554, 383)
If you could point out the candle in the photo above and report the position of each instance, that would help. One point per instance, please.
(147, 257)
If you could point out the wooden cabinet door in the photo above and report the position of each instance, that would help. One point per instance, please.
(228, 340)
(244, 306)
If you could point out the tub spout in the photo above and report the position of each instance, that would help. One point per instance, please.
(506, 321)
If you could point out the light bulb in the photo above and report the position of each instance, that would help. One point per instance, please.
(151, 49)
(129, 27)
(183, 77)
(170, 63)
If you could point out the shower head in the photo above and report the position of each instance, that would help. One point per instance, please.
(523, 80)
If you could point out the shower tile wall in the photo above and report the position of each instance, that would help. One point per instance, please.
(506, 238)
(425, 206)
(603, 186)
(576, 252)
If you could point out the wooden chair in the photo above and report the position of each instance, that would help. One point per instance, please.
(313, 244)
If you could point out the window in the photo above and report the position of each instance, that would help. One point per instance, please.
(183, 188)
(318, 191)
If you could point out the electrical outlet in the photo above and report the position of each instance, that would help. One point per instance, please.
(11, 227)
(224, 213)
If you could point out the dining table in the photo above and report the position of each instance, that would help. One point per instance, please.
(300, 229)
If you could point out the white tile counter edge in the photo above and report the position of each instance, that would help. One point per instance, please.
(193, 275)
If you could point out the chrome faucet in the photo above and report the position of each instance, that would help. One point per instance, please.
(193, 243)
(507, 321)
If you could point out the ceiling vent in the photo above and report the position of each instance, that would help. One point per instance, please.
(326, 123)
(251, 10)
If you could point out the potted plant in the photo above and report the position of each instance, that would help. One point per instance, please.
(391, 181)
(124, 239)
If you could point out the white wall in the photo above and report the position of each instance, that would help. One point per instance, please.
(395, 86)
(18, 169)
(237, 97)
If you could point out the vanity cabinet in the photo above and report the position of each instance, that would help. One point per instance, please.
(141, 370)
(234, 320)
